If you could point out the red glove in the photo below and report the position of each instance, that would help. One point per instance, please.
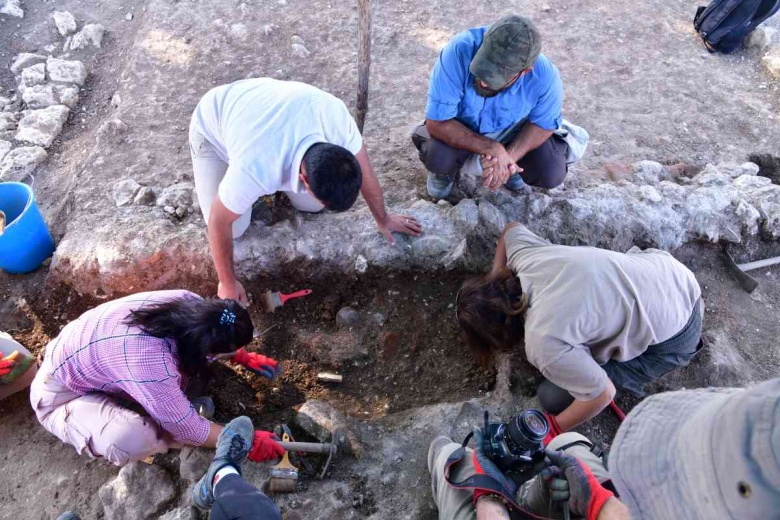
(555, 430)
(260, 365)
(265, 447)
(7, 364)
(586, 495)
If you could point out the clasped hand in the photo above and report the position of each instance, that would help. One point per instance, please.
(497, 166)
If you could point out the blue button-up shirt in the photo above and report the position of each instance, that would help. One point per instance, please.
(536, 96)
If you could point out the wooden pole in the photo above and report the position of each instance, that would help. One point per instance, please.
(364, 60)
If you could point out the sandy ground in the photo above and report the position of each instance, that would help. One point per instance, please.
(635, 77)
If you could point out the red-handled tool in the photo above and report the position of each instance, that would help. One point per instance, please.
(274, 300)
(615, 408)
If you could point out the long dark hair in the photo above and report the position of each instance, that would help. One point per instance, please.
(200, 327)
(491, 310)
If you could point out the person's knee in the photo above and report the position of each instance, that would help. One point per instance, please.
(552, 179)
(441, 159)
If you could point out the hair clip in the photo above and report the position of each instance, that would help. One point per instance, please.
(228, 317)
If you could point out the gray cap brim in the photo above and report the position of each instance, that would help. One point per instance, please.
(682, 454)
(484, 69)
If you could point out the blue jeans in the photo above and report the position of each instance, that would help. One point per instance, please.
(658, 360)
(236, 499)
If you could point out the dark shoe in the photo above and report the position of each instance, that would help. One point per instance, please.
(233, 445)
(439, 187)
(553, 398)
(516, 183)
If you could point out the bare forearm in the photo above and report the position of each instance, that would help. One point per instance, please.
(370, 188)
(221, 242)
(530, 138)
(614, 509)
(490, 509)
(456, 134)
(499, 261)
(580, 411)
(214, 431)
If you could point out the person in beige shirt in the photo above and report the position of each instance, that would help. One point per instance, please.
(591, 319)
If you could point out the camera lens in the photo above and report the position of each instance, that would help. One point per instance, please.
(528, 429)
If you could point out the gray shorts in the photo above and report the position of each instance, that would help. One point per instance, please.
(658, 360)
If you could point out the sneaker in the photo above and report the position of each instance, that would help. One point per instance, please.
(516, 183)
(439, 187)
(233, 445)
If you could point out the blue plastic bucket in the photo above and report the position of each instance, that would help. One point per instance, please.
(26, 241)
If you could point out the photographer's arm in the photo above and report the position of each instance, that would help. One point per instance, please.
(499, 261)
(488, 508)
(580, 411)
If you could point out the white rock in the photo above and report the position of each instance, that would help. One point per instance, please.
(177, 195)
(361, 264)
(170, 210)
(125, 192)
(761, 38)
(491, 219)
(298, 47)
(129, 17)
(5, 147)
(11, 8)
(65, 22)
(7, 121)
(20, 161)
(140, 491)
(42, 126)
(771, 62)
(66, 71)
(34, 75)
(649, 194)
(145, 197)
(26, 59)
(89, 34)
(4, 102)
(238, 31)
(649, 172)
(42, 96)
(116, 100)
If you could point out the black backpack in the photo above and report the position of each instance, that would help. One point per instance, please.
(725, 23)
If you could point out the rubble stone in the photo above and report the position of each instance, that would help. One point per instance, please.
(90, 34)
(491, 219)
(5, 147)
(337, 348)
(145, 197)
(761, 38)
(177, 195)
(26, 59)
(34, 75)
(298, 47)
(771, 62)
(323, 422)
(140, 491)
(65, 22)
(20, 161)
(181, 513)
(348, 317)
(43, 96)
(11, 8)
(42, 126)
(7, 121)
(193, 462)
(66, 71)
(125, 192)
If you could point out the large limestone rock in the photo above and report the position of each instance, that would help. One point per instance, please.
(34, 75)
(771, 62)
(42, 126)
(125, 192)
(66, 71)
(140, 491)
(11, 8)
(65, 22)
(193, 462)
(5, 147)
(50, 94)
(20, 162)
(322, 421)
(91, 34)
(26, 59)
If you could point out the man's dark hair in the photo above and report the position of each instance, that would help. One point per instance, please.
(200, 327)
(334, 175)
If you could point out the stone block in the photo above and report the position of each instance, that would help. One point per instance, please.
(125, 192)
(42, 126)
(34, 75)
(326, 424)
(11, 8)
(26, 59)
(140, 491)
(20, 161)
(65, 22)
(66, 71)
(91, 34)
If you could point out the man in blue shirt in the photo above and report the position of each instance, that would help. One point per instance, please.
(494, 99)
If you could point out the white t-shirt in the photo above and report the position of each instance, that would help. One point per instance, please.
(263, 127)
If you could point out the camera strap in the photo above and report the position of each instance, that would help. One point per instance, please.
(481, 481)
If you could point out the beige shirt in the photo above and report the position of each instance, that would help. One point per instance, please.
(589, 305)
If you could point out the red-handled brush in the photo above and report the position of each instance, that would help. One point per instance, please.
(274, 300)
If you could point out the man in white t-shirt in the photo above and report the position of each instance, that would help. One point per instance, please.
(256, 137)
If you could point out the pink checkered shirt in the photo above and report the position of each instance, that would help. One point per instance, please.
(100, 353)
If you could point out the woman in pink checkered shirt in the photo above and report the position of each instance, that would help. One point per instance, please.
(140, 347)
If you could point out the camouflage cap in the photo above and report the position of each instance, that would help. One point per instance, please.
(511, 45)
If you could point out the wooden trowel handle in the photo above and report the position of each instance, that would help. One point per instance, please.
(297, 294)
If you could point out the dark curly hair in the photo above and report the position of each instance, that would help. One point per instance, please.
(491, 310)
(200, 327)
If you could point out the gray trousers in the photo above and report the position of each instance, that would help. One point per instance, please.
(544, 167)
(456, 504)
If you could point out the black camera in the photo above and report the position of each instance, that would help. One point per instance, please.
(515, 446)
